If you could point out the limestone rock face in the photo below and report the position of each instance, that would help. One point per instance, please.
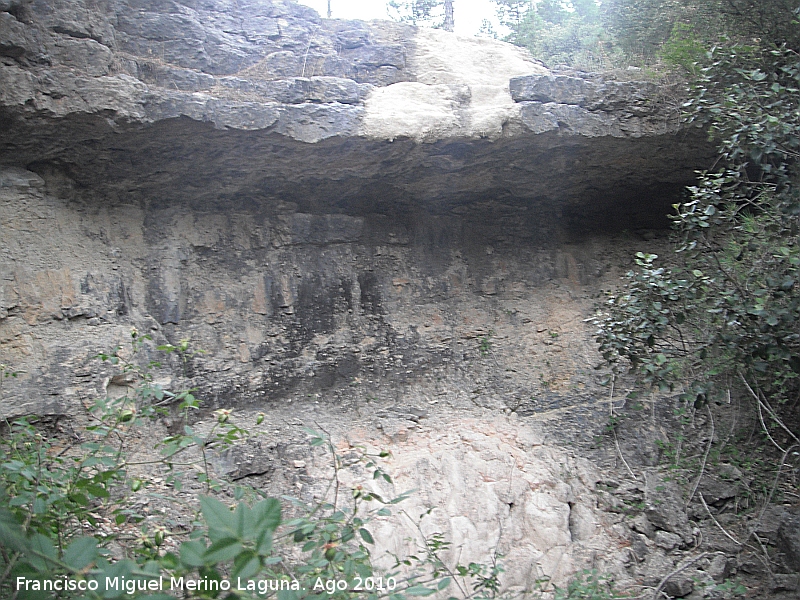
(425, 115)
(316, 203)
(495, 490)
(351, 219)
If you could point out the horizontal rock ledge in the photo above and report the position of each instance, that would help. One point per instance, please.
(266, 100)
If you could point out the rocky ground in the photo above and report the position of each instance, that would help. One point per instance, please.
(497, 480)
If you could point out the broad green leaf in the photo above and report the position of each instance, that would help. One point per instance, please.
(40, 550)
(39, 506)
(81, 553)
(264, 542)
(98, 491)
(112, 573)
(288, 595)
(192, 553)
(246, 565)
(267, 513)
(12, 535)
(169, 561)
(222, 550)
(32, 595)
(244, 521)
(218, 517)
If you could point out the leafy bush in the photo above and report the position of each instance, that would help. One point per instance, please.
(726, 308)
(54, 497)
(684, 49)
(558, 33)
(587, 585)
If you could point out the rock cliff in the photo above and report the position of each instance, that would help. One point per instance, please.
(367, 219)
(310, 200)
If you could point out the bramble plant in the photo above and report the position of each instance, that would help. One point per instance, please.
(721, 317)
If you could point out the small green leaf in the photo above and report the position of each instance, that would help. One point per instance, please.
(264, 543)
(419, 590)
(170, 561)
(366, 536)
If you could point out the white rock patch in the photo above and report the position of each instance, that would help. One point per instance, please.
(493, 486)
(411, 109)
(461, 89)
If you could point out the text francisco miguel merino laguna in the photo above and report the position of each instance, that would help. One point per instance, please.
(130, 585)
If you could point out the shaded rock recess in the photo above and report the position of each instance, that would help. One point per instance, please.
(313, 202)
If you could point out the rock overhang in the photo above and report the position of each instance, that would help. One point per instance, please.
(335, 115)
(273, 195)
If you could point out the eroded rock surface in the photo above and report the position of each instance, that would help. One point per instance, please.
(312, 201)
(496, 490)
(351, 219)
(323, 111)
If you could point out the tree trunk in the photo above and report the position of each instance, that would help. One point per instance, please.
(329, 9)
(449, 20)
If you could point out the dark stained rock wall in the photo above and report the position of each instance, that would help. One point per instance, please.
(327, 207)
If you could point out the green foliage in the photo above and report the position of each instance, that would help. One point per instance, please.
(429, 573)
(594, 35)
(54, 501)
(425, 13)
(642, 28)
(587, 585)
(557, 32)
(684, 49)
(728, 307)
(485, 344)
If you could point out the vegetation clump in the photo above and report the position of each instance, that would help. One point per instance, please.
(57, 497)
